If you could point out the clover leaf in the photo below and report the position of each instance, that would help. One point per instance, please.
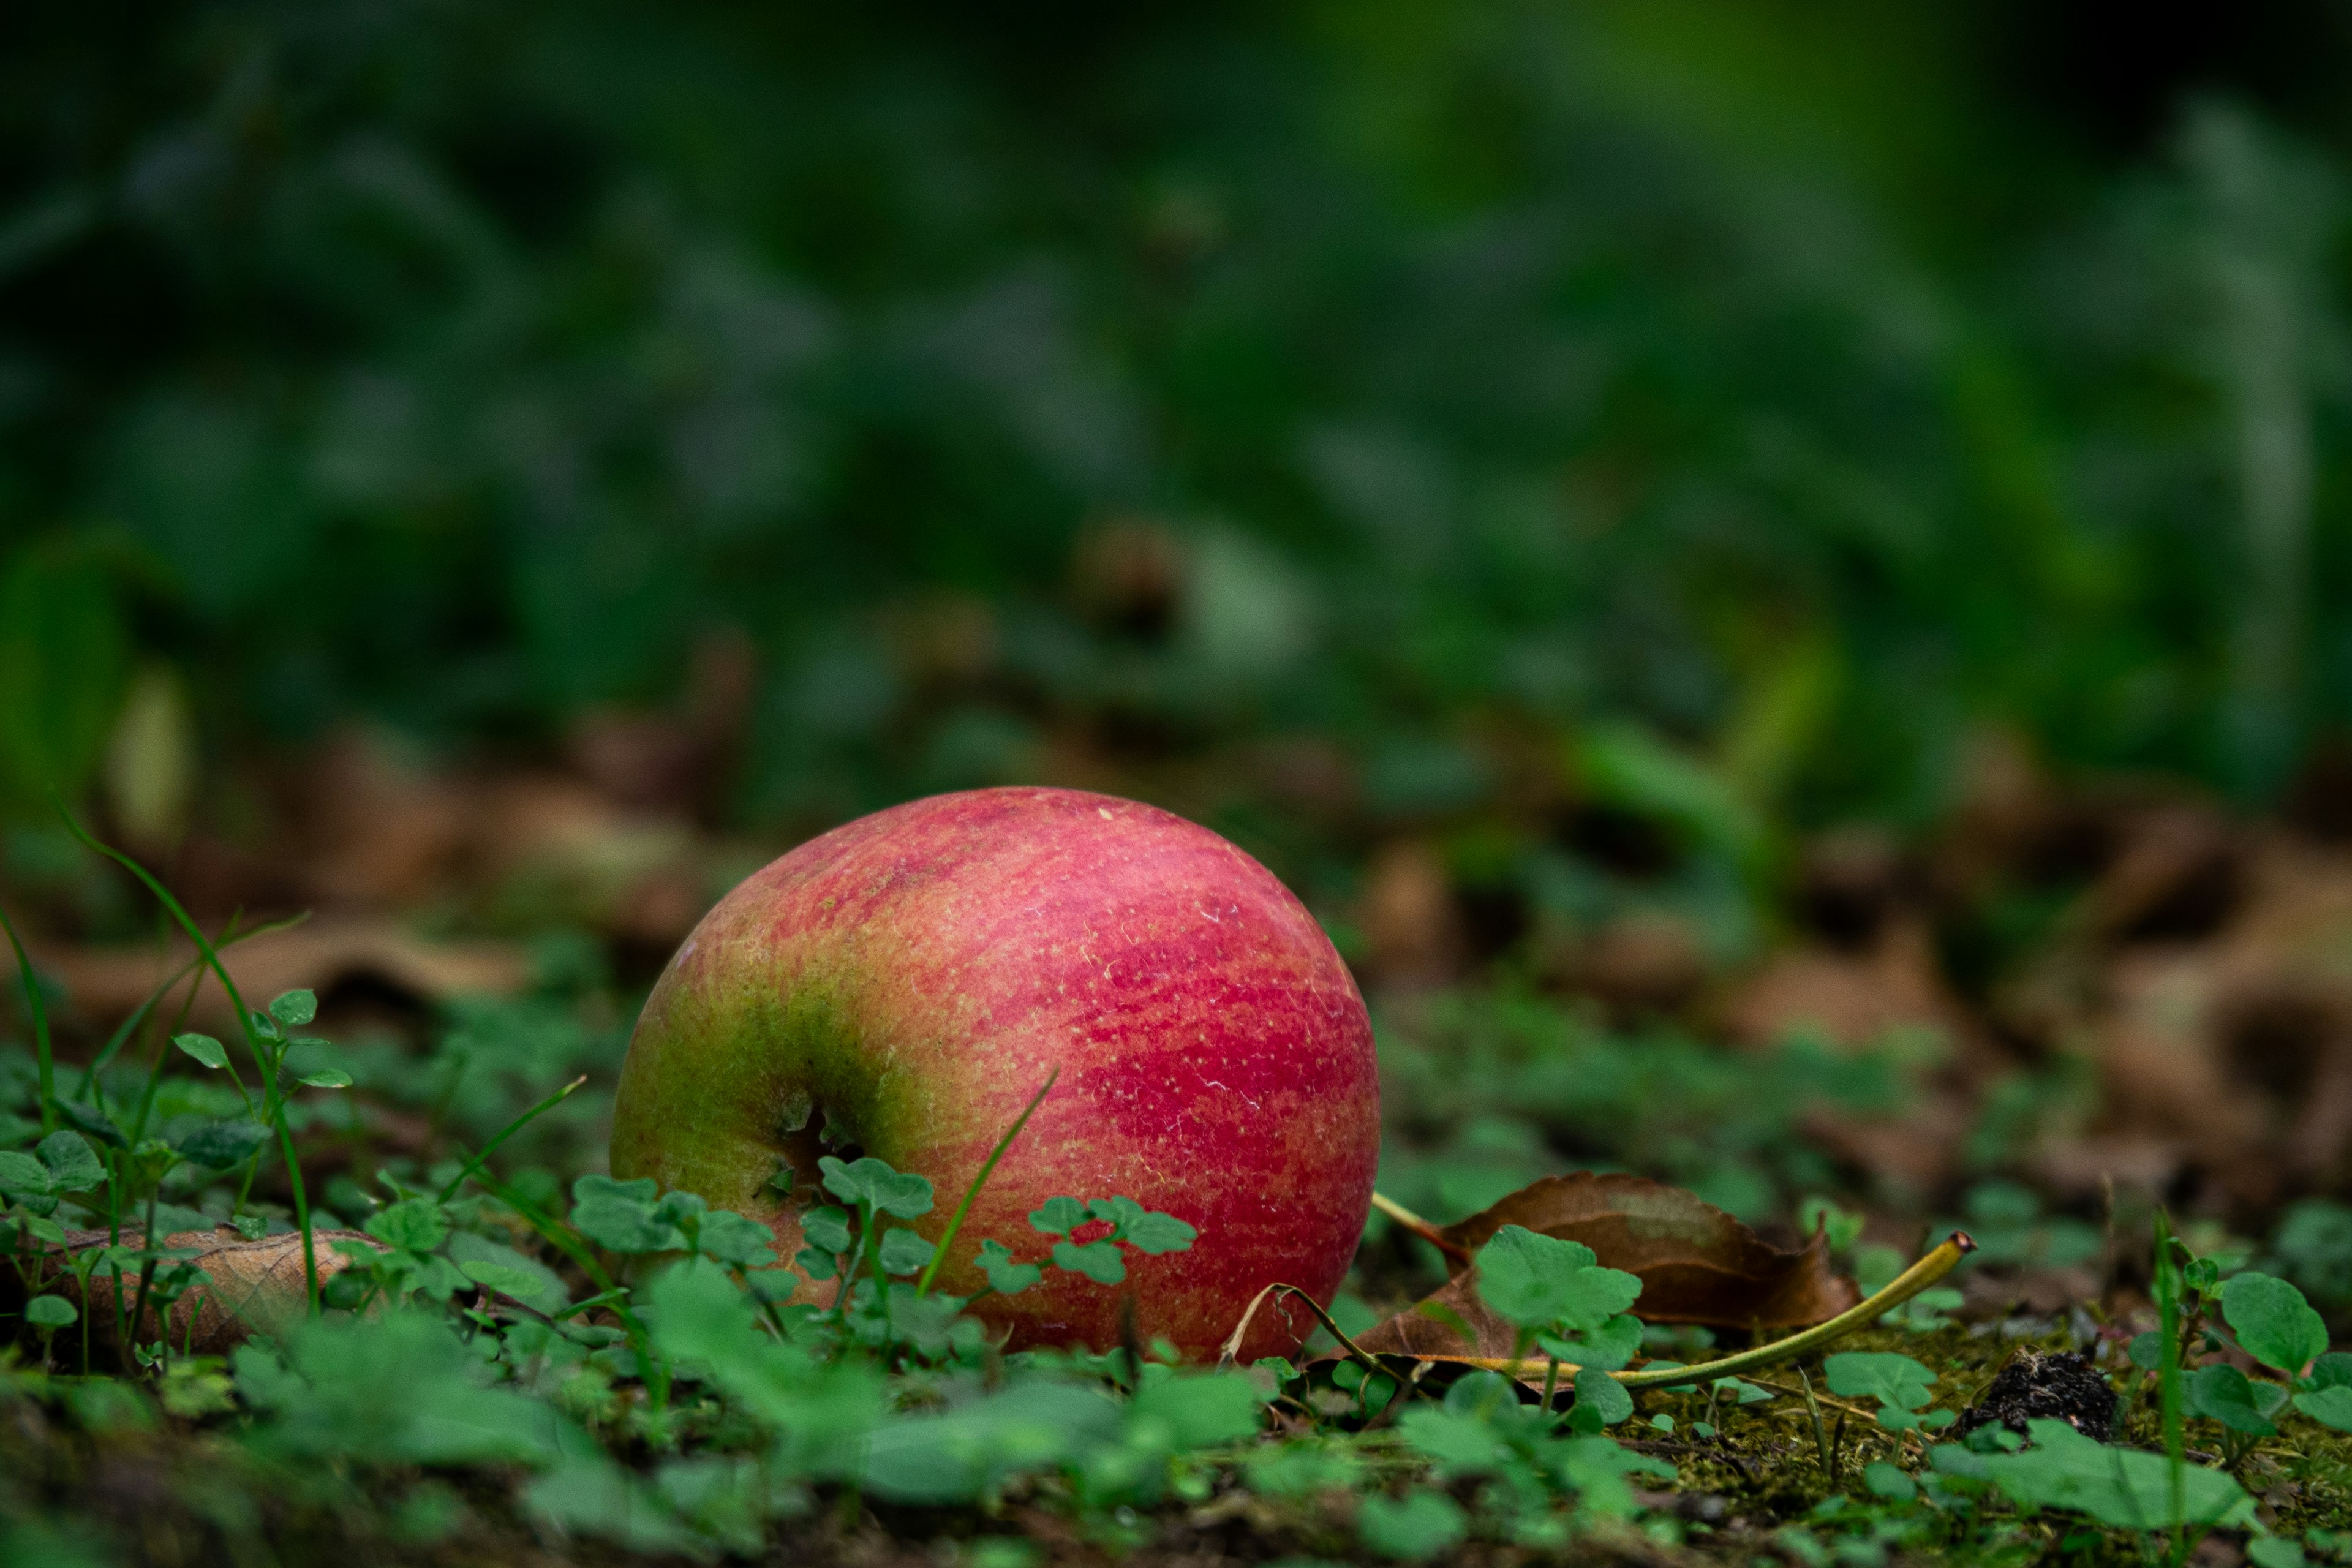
(620, 1215)
(1900, 1385)
(1532, 1279)
(1058, 1216)
(731, 1237)
(1156, 1233)
(1005, 1277)
(413, 1225)
(1601, 1401)
(826, 1228)
(1608, 1348)
(1098, 1260)
(904, 1252)
(873, 1181)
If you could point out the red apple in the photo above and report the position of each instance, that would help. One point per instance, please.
(903, 985)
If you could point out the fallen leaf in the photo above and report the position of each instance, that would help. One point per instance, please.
(106, 982)
(1696, 1265)
(250, 1288)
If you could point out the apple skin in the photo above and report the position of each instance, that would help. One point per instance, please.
(908, 982)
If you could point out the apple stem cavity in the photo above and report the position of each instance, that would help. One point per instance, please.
(955, 1220)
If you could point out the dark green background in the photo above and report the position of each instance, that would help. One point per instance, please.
(1750, 402)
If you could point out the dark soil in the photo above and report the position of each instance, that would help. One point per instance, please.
(2061, 1386)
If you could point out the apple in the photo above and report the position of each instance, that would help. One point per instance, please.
(902, 987)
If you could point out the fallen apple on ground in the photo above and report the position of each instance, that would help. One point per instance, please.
(902, 987)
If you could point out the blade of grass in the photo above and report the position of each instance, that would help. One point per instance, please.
(2168, 1375)
(273, 1104)
(105, 1054)
(509, 1130)
(564, 1240)
(955, 1221)
(1820, 1433)
(40, 1026)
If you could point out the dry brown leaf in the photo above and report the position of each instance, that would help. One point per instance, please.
(104, 984)
(1696, 1265)
(250, 1286)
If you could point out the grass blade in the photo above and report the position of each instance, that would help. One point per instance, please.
(955, 1221)
(511, 1128)
(40, 1025)
(272, 1102)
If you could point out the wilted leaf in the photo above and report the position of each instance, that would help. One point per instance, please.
(250, 1286)
(1696, 1264)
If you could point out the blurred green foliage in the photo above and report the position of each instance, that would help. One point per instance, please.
(1750, 400)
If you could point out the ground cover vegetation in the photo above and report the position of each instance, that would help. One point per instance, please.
(1775, 577)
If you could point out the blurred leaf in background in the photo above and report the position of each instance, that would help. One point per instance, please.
(65, 657)
(1747, 407)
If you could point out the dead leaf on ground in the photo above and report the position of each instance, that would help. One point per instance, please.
(104, 983)
(250, 1286)
(1696, 1265)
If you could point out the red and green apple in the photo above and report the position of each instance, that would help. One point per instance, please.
(903, 985)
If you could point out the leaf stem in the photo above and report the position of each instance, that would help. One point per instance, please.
(2167, 1375)
(1937, 1263)
(1420, 1227)
(955, 1220)
(1232, 1346)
